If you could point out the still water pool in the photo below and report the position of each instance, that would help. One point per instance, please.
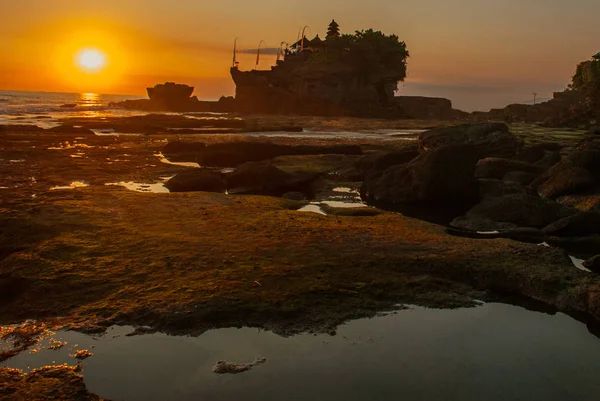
(492, 352)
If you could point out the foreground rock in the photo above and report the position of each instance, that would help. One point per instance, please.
(197, 180)
(577, 173)
(45, 384)
(577, 225)
(498, 168)
(441, 178)
(490, 140)
(232, 154)
(266, 179)
(511, 211)
(593, 264)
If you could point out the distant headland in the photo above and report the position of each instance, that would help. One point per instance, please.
(357, 75)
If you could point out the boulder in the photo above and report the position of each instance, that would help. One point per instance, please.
(197, 180)
(178, 151)
(266, 179)
(492, 188)
(490, 139)
(536, 152)
(442, 176)
(584, 202)
(593, 264)
(296, 196)
(519, 177)
(498, 168)
(577, 225)
(510, 211)
(550, 159)
(381, 162)
(579, 172)
(566, 180)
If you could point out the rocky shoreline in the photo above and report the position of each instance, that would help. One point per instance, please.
(93, 255)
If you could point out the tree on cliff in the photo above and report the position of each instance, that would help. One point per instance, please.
(334, 30)
(369, 52)
(587, 73)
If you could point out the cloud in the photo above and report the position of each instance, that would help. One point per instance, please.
(265, 50)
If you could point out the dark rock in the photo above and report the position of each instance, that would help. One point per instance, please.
(550, 159)
(197, 180)
(577, 173)
(170, 92)
(20, 128)
(565, 181)
(377, 162)
(536, 152)
(593, 131)
(69, 129)
(494, 167)
(442, 176)
(584, 245)
(593, 264)
(11, 288)
(423, 108)
(266, 179)
(381, 162)
(584, 202)
(481, 224)
(522, 234)
(509, 211)
(297, 196)
(232, 154)
(490, 139)
(492, 188)
(578, 225)
(519, 177)
(178, 151)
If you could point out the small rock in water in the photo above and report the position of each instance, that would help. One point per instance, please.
(223, 367)
(82, 354)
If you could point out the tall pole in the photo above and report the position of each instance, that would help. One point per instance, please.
(258, 54)
(534, 97)
(302, 39)
(234, 53)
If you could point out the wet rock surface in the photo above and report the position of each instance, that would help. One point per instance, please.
(45, 384)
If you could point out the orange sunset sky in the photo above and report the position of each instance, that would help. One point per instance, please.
(478, 53)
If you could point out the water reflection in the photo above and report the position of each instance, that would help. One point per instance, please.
(73, 185)
(492, 352)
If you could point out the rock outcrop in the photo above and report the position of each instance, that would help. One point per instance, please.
(232, 154)
(577, 173)
(577, 106)
(489, 140)
(441, 179)
(197, 180)
(266, 179)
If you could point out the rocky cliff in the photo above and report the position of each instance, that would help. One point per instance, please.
(577, 106)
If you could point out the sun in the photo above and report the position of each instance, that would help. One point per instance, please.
(91, 60)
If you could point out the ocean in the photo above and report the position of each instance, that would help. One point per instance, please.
(44, 108)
